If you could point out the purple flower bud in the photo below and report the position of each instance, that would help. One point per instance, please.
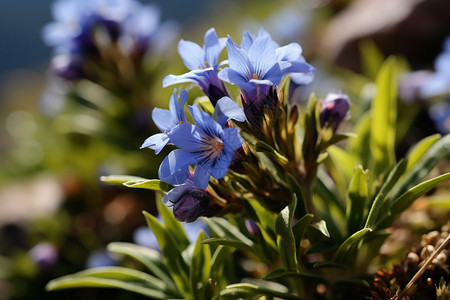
(191, 205)
(252, 227)
(335, 108)
(67, 66)
(44, 255)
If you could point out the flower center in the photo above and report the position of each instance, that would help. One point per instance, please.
(216, 145)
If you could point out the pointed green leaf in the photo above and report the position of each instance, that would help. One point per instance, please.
(270, 152)
(420, 149)
(405, 200)
(299, 228)
(149, 184)
(297, 190)
(171, 252)
(329, 264)
(150, 258)
(359, 147)
(200, 266)
(377, 204)
(225, 229)
(265, 220)
(321, 226)
(436, 153)
(251, 289)
(357, 195)
(173, 225)
(371, 58)
(121, 179)
(347, 249)
(384, 115)
(282, 273)
(285, 236)
(237, 244)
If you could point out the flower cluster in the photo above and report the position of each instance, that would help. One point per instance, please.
(86, 29)
(213, 144)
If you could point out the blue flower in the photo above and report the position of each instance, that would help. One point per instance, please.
(289, 58)
(203, 63)
(207, 144)
(249, 69)
(439, 83)
(166, 120)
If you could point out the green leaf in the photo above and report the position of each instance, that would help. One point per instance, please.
(200, 266)
(171, 252)
(299, 228)
(420, 149)
(173, 225)
(270, 152)
(265, 219)
(84, 282)
(384, 114)
(371, 58)
(251, 289)
(347, 251)
(377, 204)
(149, 184)
(237, 244)
(343, 161)
(405, 200)
(436, 153)
(282, 273)
(357, 195)
(120, 179)
(225, 229)
(359, 147)
(130, 280)
(329, 264)
(150, 258)
(297, 190)
(218, 261)
(321, 226)
(285, 236)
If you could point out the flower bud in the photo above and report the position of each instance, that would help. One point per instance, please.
(191, 205)
(335, 108)
(44, 255)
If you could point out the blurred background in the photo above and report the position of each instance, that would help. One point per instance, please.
(69, 116)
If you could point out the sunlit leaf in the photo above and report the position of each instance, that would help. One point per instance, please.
(251, 289)
(173, 225)
(347, 250)
(282, 273)
(357, 195)
(149, 184)
(200, 266)
(285, 236)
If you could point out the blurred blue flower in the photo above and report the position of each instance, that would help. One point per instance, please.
(100, 258)
(166, 120)
(439, 82)
(188, 201)
(335, 108)
(207, 144)
(203, 63)
(44, 255)
(440, 115)
(144, 236)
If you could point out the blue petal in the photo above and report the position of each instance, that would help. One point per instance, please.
(240, 80)
(262, 53)
(163, 119)
(223, 75)
(221, 165)
(202, 175)
(174, 194)
(174, 169)
(302, 78)
(289, 52)
(238, 59)
(212, 47)
(187, 137)
(227, 109)
(298, 67)
(177, 109)
(192, 54)
(205, 122)
(232, 140)
(247, 40)
(156, 142)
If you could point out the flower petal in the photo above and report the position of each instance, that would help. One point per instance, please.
(205, 122)
(202, 175)
(192, 54)
(212, 47)
(227, 109)
(187, 137)
(156, 142)
(174, 168)
(247, 40)
(221, 165)
(163, 119)
(240, 80)
(289, 52)
(238, 59)
(262, 54)
(232, 139)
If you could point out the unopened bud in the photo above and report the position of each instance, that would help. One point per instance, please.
(335, 108)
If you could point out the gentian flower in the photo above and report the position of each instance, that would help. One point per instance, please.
(439, 82)
(188, 201)
(203, 63)
(207, 144)
(44, 255)
(335, 108)
(166, 120)
(440, 115)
